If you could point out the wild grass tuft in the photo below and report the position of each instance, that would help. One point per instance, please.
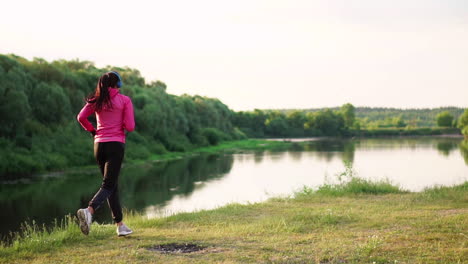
(34, 239)
(359, 186)
(457, 193)
(349, 183)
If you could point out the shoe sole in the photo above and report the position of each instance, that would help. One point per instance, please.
(83, 224)
(124, 234)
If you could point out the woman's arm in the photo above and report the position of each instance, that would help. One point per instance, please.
(82, 117)
(128, 116)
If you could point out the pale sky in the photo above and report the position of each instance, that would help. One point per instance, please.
(262, 54)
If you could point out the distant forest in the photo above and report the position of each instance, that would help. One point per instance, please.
(40, 100)
(348, 120)
(381, 116)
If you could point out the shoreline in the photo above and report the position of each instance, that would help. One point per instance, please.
(246, 144)
(306, 139)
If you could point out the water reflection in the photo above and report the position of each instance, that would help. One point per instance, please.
(158, 183)
(464, 150)
(445, 147)
(258, 157)
(328, 149)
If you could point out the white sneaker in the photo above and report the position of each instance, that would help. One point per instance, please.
(123, 230)
(85, 218)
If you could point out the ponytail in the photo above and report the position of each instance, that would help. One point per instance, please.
(101, 97)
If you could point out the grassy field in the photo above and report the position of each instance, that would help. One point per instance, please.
(356, 221)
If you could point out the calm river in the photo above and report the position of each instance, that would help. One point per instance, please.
(210, 181)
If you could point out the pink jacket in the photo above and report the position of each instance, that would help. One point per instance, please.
(110, 122)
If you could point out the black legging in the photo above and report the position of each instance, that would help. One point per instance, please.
(109, 156)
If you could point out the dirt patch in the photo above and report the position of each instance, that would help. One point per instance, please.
(176, 248)
(453, 212)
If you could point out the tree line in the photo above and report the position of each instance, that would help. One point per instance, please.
(382, 117)
(347, 121)
(40, 100)
(296, 123)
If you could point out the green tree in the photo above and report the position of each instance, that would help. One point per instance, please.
(463, 123)
(14, 104)
(348, 111)
(276, 125)
(325, 123)
(444, 119)
(14, 109)
(399, 122)
(251, 123)
(296, 120)
(49, 103)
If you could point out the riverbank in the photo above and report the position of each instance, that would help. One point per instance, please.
(355, 222)
(226, 147)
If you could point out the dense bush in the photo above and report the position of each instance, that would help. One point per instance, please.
(444, 119)
(214, 136)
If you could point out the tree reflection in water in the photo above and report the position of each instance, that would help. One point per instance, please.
(160, 182)
(445, 147)
(464, 150)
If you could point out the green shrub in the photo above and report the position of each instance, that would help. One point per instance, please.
(237, 134)
(177, 143)
(19, 162)
(137, 152)
(195, 136)
(213, 135)
(137, 138)
(157, 148)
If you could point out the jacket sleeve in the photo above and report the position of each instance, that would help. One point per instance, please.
(128, 116)
(82, 117)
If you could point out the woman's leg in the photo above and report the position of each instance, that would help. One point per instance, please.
(109, 156)
(114, 205)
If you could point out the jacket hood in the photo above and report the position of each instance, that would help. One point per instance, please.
(113, 92)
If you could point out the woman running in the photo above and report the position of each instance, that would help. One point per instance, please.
(114, 116)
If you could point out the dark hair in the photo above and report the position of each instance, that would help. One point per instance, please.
(101, 97)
